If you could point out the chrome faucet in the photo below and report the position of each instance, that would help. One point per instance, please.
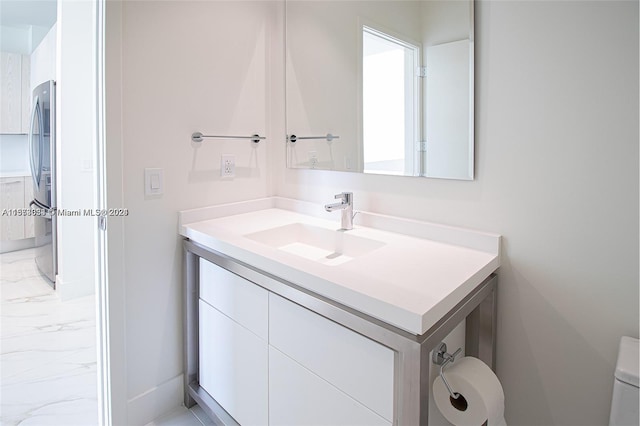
(346, 209)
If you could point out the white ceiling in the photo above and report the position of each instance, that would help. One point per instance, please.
(23, 23)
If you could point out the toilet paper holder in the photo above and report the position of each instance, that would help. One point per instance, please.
(442, 358)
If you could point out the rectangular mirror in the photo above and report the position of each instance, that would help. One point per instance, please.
(383, 86)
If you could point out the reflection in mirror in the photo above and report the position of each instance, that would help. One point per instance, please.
(392, 80)
(389, 103)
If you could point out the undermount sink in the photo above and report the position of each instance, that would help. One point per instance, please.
(321, 245)
(403, 272)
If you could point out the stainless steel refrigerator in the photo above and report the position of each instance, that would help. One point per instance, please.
(42, 150)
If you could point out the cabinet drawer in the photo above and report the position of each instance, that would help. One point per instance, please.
(358, 366)
(233, 367)
(297, 397)
(12, 197)
(239, 299)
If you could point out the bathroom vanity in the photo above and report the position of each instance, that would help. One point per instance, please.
(290, 321)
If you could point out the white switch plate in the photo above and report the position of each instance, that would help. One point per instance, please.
(86, 165)
(228, 166)
(153, 182)
(313, 159)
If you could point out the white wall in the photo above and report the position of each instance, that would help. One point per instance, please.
(445, 21)
(14, 155)
(185, 67)
(43, 59)
(22, 39)
(75, 145)
(557, 176)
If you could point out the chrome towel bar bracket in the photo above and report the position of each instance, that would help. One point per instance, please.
(328, 137)
(199, 137)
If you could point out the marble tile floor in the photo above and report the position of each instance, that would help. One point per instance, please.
(48, 372)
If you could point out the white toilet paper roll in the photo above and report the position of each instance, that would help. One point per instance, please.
(483, 397)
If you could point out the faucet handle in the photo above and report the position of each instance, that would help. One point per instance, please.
(346, 197)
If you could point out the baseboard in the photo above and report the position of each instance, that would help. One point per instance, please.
(155, 402)
(68, 290)
(15, 245)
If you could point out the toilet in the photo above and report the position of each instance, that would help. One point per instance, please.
(624, 402)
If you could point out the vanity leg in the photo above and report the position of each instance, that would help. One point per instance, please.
(190, 321)
(480, 339)
(425, 384)
(409, 387)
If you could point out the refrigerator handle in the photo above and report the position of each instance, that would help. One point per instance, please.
(48, 213)
(35, 170)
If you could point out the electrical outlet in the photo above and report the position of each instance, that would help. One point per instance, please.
(313, 159)
(347, 163)
(228, 166)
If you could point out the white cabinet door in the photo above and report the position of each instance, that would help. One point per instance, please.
(358, 366)
(28, 197)
(15, 93)
(297, 397)
(11, 197)
(10, 92)
(233, 367)
(239, 299)
(26, 94)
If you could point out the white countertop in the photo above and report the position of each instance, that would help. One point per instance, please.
(15, 173)
(410, 282)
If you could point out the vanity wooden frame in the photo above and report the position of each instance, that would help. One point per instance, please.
(412, 362)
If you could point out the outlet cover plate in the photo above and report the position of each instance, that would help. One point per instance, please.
(228, 166)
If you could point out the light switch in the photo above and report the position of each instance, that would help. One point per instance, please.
(86, 165)
(153, 182)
